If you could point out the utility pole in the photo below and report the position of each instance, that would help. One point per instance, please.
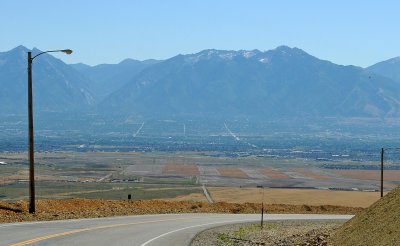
(382, 153)
(30, 133)
(262, 208)
(262, 215)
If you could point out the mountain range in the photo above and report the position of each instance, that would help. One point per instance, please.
(284, 82)
(281, 82)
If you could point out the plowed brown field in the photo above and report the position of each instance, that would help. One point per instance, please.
(232, 172)
(181, 169)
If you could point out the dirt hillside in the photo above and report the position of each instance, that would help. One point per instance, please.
(377, 225)
(86, 208)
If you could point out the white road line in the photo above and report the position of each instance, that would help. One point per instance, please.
(189, 227)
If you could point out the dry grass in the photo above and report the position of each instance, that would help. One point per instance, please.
(388, 175)
(232, 172)
(376, 225)
(181, 169)
(273, 174)
(294, 196)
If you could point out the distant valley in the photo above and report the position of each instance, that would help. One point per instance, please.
(224, 115)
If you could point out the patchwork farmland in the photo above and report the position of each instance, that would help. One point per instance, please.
(171, 175)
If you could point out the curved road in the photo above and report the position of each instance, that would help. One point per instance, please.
(141, 230)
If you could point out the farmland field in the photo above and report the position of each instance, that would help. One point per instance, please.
(110, 158)
(294, 196)
(163, 175)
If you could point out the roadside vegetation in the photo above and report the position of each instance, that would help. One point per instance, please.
(273, 233)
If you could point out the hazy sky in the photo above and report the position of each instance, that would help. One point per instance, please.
(358, 32)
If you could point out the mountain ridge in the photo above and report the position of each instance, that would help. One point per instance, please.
(283, 82)
(389, 68)
(279, 83)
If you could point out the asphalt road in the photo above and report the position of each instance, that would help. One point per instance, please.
(142, 230)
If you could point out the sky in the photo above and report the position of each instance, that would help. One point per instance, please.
(356, 32)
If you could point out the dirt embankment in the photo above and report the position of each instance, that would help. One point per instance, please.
(377, 225)
(85, 208)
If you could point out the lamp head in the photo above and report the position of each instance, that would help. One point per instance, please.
(67, 51)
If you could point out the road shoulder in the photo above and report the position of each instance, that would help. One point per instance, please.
(273, 233)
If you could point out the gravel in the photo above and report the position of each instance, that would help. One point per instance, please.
(273, 233)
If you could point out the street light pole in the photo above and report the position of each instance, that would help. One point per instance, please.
(30, 129)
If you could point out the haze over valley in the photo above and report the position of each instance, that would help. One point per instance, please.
(275, 106)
